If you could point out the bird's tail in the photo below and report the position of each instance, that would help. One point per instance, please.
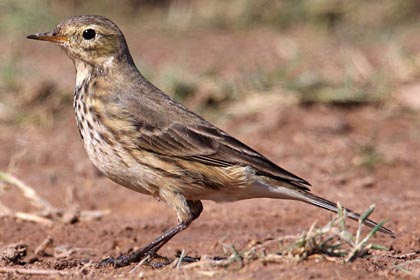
(328, 205)
(292, 192)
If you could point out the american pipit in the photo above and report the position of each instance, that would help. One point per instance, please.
(146, 141)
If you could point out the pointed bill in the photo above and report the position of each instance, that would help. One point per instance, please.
(48, 36)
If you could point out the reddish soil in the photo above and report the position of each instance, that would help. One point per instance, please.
(319, 143)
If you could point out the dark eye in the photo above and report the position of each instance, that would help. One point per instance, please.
(89, 34)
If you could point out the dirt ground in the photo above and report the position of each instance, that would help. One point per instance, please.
(358, 155)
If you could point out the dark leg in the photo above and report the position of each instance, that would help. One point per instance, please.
(194, 207)
(150, 249)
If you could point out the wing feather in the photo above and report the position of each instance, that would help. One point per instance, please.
(210, 145)
(181, 133)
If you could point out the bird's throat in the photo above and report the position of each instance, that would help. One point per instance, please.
(83, 72)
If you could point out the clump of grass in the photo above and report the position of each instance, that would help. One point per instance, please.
(332, 241)
(368, 154)
(409, 268)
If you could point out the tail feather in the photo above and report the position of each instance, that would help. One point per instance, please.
(262, 189)
(328, 205)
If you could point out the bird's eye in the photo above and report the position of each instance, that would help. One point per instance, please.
(89, 34)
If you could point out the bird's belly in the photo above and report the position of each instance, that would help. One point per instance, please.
(147, 173)
(116, 163)
(152, 174)
(120, 167)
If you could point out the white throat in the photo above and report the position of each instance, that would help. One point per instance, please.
(83, 72)
(108, 62)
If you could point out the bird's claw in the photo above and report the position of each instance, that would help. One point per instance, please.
(109, 262)
(125, 260)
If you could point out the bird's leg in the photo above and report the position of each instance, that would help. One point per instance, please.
(149, 249)
(186, 215)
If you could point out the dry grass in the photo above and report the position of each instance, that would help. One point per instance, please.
(332, 242)
(410, 268)
(47, 214)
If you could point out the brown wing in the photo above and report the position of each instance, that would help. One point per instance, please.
(207, 144)
(170, 129)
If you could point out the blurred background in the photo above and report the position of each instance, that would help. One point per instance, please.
(328, 89)
(212, 53)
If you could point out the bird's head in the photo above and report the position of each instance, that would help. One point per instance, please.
(93, 40)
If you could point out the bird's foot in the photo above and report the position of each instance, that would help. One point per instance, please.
(148, 252)
(141, 255)
(186, 258)
(128, 259)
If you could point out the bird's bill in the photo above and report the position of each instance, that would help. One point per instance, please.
(48, 36)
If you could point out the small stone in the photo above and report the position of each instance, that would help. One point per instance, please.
(13, 253)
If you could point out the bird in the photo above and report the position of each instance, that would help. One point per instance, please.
(146, 141)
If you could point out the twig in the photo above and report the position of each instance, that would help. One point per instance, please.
(33, 218)
(93, 214)
(404, 256)
(179, 262)
(14, 159)
(207, 273)
(65, 251)
(4, 210)
(47, 209)
(140, 264)
(27, 191)
(31, 271)
(272, 258)
(40, 250)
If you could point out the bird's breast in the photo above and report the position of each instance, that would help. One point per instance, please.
(100, 136)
